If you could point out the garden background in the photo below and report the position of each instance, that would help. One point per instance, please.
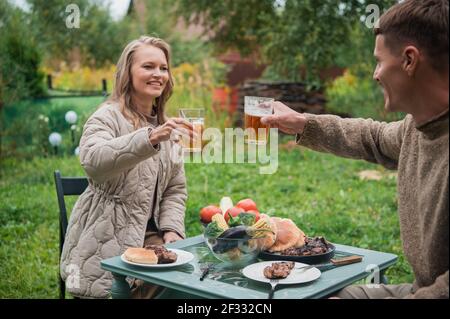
(348, 202)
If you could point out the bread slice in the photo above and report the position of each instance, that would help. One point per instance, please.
(141, 256)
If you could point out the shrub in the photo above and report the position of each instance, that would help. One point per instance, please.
(358, 97)
(194, 85)
(81, 78)
(19, 68)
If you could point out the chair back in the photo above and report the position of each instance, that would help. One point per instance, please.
(66, 186)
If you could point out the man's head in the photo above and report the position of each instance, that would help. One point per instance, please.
(411, 46)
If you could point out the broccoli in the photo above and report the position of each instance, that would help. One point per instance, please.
(213, 230)
(246, 219)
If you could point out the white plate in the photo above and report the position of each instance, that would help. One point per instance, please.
(184, 257)
(297, 276)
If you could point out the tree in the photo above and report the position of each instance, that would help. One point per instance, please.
(98, 39)
(286, 34)
(19, 60)
(158, 18)
(19, 68)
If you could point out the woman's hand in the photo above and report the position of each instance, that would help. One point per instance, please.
(173, 129)
(170, 237)
(285, 119)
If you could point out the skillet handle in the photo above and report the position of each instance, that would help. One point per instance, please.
(346, 260)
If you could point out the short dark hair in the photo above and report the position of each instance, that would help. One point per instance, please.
(422, 22)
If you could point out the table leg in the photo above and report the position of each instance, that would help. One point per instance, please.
(383, 278)
(120, 288)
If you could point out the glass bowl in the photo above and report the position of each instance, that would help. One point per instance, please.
(235, 252)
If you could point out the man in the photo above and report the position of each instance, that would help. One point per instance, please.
(411, 50)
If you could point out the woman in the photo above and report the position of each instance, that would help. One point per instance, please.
(137, 190)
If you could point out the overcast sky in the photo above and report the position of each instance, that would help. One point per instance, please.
(118, 8)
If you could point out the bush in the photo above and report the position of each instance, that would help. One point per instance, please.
(194, 84)
(19, 68)
(27, 124)
(358, 97)
(81, 78)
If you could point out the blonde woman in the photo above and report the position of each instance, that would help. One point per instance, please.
(137, 189)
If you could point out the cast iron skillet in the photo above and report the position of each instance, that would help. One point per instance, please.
(311, 260)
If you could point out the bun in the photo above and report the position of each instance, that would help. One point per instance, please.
(141, 256)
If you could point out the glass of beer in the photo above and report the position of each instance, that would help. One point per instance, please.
(197, 118)
(256, 133)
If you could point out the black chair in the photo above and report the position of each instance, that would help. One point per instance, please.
(66, 186)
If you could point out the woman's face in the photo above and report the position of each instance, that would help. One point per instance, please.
(149, 72)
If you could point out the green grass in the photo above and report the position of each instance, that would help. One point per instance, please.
(321, 193)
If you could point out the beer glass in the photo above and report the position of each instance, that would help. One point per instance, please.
(256, 133)
(197, 118)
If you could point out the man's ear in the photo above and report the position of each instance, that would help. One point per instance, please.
(411, 57)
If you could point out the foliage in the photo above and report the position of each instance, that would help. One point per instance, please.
(81, 78)
(161, 21)
(19, 68)
(306, 188)
(24, 135)
(358, 97)
(98, 41)
(27, 124)
(356, 93)
(287, 34)
(194, 84)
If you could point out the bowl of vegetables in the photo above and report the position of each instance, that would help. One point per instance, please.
(237, 240)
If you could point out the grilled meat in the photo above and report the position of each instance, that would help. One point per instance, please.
(313, 246)
(164, 256)
(279, 270)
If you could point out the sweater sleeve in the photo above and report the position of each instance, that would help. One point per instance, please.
(104, 155)
(438, 290)
(366, 139)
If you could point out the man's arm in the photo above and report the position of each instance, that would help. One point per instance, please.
(439, 289)
(377, 142)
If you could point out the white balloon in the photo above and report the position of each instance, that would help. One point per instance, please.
(55, 139)
(71, 117)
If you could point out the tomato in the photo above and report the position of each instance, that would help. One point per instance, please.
(206, 213)
(234, 211)
(256, 213)
(247, 204)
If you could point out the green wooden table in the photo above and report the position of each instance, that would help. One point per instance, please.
(222, 282)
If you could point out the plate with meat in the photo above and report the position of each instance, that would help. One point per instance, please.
(285, 272)
(288, 242)
(315, 250)
(156, 256)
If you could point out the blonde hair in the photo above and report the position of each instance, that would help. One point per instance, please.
(123, 84)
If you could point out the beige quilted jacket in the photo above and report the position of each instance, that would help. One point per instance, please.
(111, 215)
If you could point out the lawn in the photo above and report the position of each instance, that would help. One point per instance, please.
(321, 193)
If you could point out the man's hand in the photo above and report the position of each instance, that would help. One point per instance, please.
(170, 237)
(173, 129)
(285, 119)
